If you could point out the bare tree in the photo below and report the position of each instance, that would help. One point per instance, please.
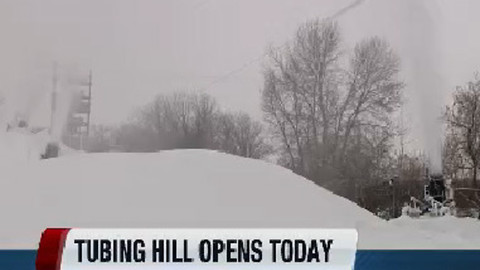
(324, 115)
(181, 120)
(239, 134)
(225, 135)
(373, 89)
(299, 94)
(373, 93)
(463, 123)
(204, 111)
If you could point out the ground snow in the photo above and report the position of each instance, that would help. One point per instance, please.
(194, 188)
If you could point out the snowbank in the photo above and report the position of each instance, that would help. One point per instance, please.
(21, 146)
(190, 188)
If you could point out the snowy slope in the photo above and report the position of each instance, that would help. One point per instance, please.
(21, 146)
(191, 188)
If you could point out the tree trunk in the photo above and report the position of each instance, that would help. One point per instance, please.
(474, 178)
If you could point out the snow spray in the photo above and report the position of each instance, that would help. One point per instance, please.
(422, 41)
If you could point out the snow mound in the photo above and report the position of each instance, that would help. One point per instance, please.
(20, 146)
(184, 188)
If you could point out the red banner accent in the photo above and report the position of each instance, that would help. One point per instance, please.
(49, 255)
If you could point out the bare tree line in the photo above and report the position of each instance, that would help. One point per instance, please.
(462, 144)
(191, 120)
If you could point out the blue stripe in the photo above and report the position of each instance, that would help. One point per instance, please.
(417, 259)
(17, 259)
(366, 259)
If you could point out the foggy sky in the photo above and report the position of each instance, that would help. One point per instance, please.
(139, 48)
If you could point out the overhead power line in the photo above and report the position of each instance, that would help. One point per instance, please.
(336, 15)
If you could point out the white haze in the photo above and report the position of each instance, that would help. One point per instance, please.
(31, 100)
(140, 48)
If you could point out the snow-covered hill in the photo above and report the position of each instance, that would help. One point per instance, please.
(193, 188)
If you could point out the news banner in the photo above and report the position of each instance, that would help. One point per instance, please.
(221, 249)
(203, 249)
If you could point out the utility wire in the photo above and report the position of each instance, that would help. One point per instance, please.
(336, 15)
(200, 4)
